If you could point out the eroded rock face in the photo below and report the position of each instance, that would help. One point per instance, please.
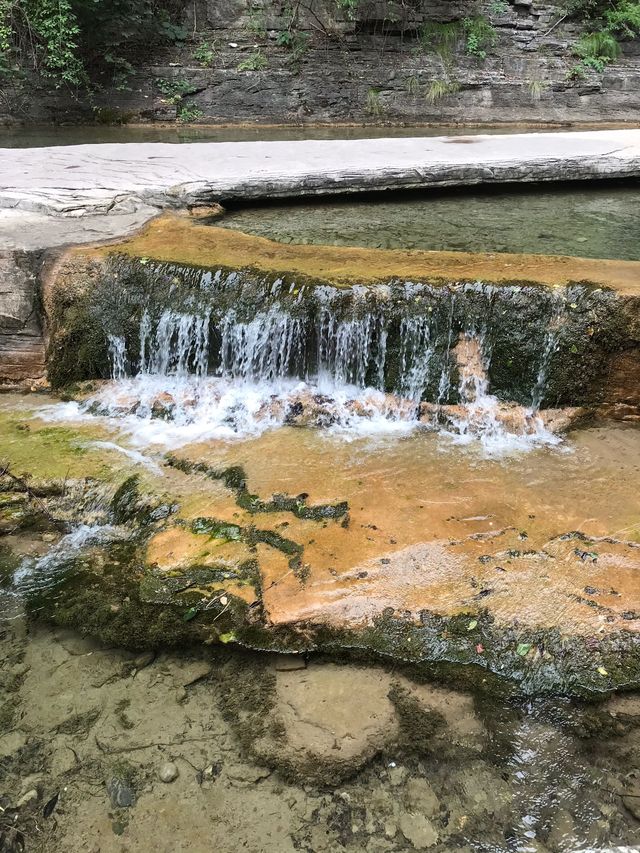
(21, 339)
(344, 55)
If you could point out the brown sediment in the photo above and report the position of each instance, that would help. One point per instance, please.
(176, 239)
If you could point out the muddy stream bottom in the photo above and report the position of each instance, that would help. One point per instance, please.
(211, 747)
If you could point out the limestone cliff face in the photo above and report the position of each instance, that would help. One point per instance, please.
(276, 61)
(21, 343)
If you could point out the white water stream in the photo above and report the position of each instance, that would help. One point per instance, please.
(274, 369)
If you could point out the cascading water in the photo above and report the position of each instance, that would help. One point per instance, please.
(481, 415)
(357, 359)
(265, 349)
(552, 337)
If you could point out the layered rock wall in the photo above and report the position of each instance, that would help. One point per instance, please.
(21, 341)
(271, 61)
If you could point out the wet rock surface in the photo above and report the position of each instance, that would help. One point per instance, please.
(493, 593)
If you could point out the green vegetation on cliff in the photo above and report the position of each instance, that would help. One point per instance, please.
(82, 43)
(69, 41)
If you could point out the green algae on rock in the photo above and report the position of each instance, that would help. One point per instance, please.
(111, 590)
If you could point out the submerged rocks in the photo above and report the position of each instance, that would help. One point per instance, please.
(418, 830)
(329, 721)
(168, 772)
(163, 406)
(120, 790)
(326, 721)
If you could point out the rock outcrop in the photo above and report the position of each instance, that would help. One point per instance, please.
(21, 342)
(84, 180)
(314, 62)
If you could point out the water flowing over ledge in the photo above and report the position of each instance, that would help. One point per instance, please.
(203, 353)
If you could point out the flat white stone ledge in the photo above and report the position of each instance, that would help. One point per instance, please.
(121, 179)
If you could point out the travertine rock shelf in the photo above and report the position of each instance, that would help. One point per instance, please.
(87, 180)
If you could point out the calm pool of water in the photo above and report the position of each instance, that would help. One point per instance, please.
(594, 221)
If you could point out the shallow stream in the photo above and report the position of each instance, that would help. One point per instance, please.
(279, 753)
(601, 221)
(317, 568)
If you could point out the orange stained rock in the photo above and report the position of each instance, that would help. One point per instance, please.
(181, 240)
(448, 531)
(177, 548)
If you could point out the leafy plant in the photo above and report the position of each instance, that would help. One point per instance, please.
(440, 89)
(623, 18)
(373, 106)
(257, 23)
(610, 21)
(577, 72)
(71, 42)
(441, 38)
(295, 42)
(256, 61)
(600, 45)
(498, 7)
(350, 7)
(480, 36)
(43, 35)
(173, 89)
(205, 53)
(189, 112)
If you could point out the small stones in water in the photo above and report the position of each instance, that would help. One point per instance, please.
(120, 792)
(195, 671)
(168, 772)
(289, 663)
(418, 830)
(30, 796)
(63, 760)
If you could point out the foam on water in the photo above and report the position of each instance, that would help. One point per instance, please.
(482, 417)
(167, 412)
(215, 408)
(195, 377)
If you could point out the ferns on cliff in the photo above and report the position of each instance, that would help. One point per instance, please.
(609, 21)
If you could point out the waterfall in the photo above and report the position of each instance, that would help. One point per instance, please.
(231, 355)
(416, 352)
(551, 340)
(118, 356)
(444, 384)
(266, 348)
(481, 415)
(348, 347)
(180, 344)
